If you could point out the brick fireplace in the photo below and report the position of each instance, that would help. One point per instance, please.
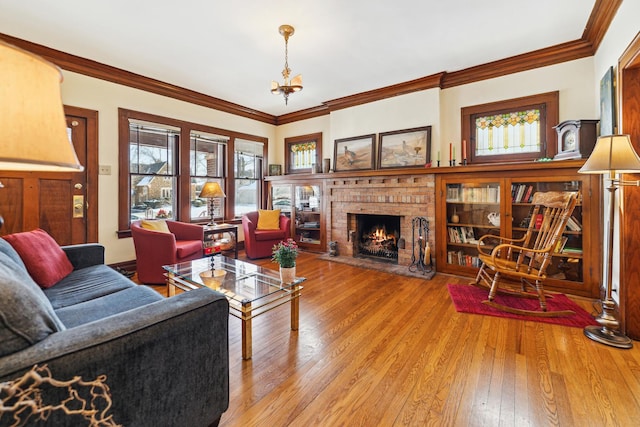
(406, 196)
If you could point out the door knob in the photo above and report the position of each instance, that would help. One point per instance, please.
(78, 186)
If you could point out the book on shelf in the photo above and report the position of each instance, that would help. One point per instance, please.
(487, 194)
(528, 196)
(571, 250)
(460, 258)
(539, 221)
(573, 224)
(453, 193)
(560, 244)
(461, 234)
(521, 193)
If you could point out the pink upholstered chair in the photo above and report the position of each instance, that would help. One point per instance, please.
(259, 243)
(155, 248)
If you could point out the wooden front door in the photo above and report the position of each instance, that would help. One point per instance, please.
(62, 203)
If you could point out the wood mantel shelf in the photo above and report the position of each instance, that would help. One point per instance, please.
(514, 166)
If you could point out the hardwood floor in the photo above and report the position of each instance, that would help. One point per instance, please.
(377, 349)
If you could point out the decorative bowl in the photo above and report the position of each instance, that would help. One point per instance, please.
(213, 278)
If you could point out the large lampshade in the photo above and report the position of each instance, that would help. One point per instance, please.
(211, 190)
(612, 153)
(33, 134)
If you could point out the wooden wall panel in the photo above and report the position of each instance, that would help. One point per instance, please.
(630, 221)
(11, 205)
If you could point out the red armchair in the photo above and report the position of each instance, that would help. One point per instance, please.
(259, 243)
(156, 248)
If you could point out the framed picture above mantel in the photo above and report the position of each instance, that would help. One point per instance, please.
(302, 153)
(407, 148)
(354, 153)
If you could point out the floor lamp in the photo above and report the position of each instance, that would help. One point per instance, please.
(213, 192)
(34, 130)
(613, 154)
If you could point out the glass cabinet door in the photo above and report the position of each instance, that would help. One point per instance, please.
(281, 198)
(472, 210)
(567, 262)
(307, 219)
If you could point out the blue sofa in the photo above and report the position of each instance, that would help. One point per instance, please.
(166, 360)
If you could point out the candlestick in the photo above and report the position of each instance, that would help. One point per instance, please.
(438, 155)
(464, 149)
(450, 156)
(454, 152)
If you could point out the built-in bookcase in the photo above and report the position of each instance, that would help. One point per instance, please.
(500, 203)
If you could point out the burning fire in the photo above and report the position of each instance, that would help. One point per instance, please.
(380, 235)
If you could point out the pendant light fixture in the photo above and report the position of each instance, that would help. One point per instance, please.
(289, 86)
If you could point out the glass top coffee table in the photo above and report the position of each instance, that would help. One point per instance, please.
(250, 289)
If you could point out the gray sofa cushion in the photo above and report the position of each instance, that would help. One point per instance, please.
(26, 315)
(118, 302)
(86, 284)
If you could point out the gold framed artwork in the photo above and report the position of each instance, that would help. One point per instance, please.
(355, 153)
(408, 148)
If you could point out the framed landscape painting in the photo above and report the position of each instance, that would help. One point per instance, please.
(408, 148)
(350, 154)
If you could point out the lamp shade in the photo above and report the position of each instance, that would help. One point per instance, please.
(34, 131)
(612, 154)
(211, 190)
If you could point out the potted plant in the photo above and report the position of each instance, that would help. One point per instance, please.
(285, 254)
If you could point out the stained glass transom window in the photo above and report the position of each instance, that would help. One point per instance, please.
(511, 133)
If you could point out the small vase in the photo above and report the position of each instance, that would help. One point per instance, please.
(287, 274)
(455, 218)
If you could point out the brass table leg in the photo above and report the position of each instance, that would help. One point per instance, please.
(246, 331)
(171, 289)
(295, 308)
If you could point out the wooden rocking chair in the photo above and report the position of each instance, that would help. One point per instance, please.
(526, 259)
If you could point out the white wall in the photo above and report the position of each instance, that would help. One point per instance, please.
(86, 92)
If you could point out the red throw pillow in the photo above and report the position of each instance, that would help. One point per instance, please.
(45, 260)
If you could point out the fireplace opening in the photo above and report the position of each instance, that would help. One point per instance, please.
(377, 237)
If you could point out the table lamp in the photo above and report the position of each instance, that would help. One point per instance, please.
(613, 154)
(34, 130)
(213, 192)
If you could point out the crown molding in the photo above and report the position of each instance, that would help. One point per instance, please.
(601, 17)
(423, 83)
(101, 71)
(528, 61)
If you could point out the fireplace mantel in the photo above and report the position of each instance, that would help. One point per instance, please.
(513, 166)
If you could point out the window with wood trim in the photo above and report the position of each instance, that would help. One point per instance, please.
(248, 176)
(164, 163)
(152, 169)
(512, 130)
(207, 157)
(302, 152)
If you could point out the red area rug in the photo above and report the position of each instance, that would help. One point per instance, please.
(468, 299)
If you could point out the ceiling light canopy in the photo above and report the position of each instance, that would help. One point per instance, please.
(289, 86)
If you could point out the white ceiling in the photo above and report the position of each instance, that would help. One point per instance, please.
(232, 49)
